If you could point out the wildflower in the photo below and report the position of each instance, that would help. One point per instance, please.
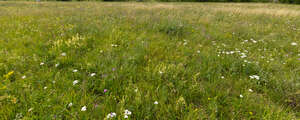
(222, 77)
(251, 113)
(293, 43)
(113, 69)
(105, 90)
(42, 63)
(53, 82)
(111, 115)
(160, 72)
(75, 82)
(254, 77)
(243, 55)
(250, 90)
(45, 87)
(23, 77)
(83, 108)
(70, 104)
(93, 74)
(57, 64)
(241, 96)
(155, 102)
(209, 98)
(63, 54)
(127, 112)
(135, 90)
(198, 51)
(75, 70)
(125, 116)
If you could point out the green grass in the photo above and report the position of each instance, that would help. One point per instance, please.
(194, 59)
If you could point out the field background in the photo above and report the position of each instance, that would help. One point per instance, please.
(196, 60)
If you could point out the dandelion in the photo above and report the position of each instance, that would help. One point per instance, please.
(93, 74)
(293, 43)
(83, 108)
(241, 96)
(250, 90)
(155, 103)
(63, 54)
(75, 70)
(251, 113)
(23, 77)
(42, 63)
(75, 82)
(70, 104)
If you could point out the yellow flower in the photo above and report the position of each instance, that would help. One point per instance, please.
(208, 98)
(8, 74)
(250, 113)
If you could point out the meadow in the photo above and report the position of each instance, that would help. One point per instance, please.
(147, 61)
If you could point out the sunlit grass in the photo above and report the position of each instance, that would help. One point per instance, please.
(166, 61)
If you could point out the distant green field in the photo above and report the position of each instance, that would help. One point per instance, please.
(149, 61)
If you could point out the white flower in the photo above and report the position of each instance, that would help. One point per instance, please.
(75, 70)
(93, 74)
(63, 54)
(125, 116)
(42, 63)
(155, 102)
(70, 104)
(75, 82)
(45, 87)
(83, 108)
(136, 90)
(57, 64)
(241, 96)
(111, 115)
(198, 51)
(23, 77)
(160, 72)
(293, 43)
(53, 82)
(127, 112)
(243, 55)
(254, 77)
(250, 90)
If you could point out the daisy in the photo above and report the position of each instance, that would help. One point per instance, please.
(75, 82)
(241, 96)
(93, 74)
(293, 43)
(250, 90)
(57, 64)
(70, 104)
(63, 54)
(83, 108)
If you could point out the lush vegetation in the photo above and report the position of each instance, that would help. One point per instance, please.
(156, 60)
